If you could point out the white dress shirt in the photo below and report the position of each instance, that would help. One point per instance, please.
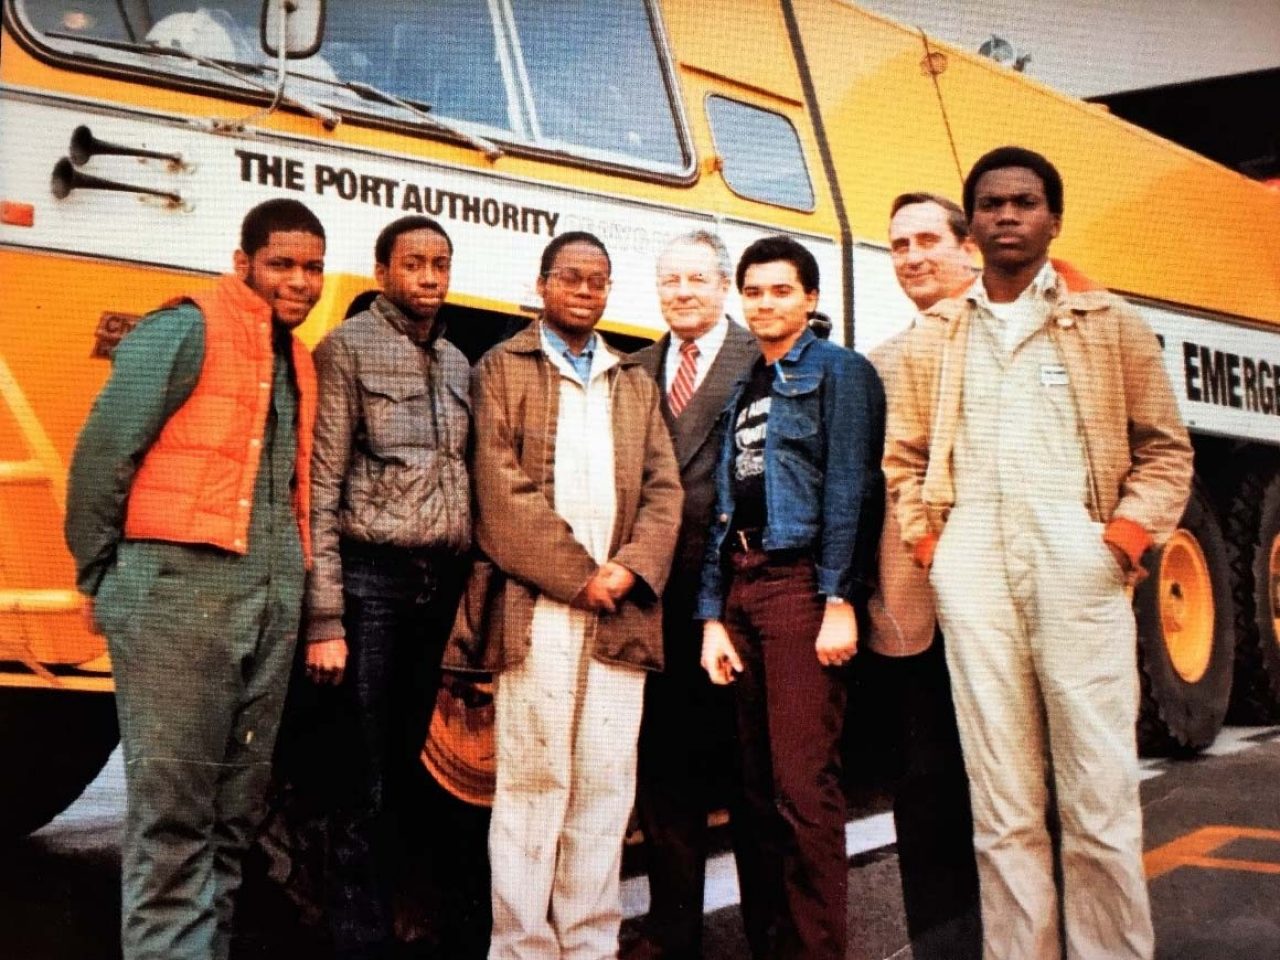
(709, 345)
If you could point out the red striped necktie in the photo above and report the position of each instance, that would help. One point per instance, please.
(682, 387)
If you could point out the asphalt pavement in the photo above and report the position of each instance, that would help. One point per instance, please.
(1213, 862)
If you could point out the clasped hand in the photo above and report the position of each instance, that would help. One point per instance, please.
(606, 588)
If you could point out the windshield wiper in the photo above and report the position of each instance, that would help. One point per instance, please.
(490, 149)
(236, 69)
(239, 70)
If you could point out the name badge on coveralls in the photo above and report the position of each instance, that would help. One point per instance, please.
(1053, 375)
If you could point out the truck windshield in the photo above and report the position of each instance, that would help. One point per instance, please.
(568, 76)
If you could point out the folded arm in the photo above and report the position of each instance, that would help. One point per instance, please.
(153, 372)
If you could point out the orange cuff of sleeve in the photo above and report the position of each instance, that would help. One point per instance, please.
(1130, 537)
(923, 553)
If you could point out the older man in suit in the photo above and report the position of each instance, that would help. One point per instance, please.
(686, 720)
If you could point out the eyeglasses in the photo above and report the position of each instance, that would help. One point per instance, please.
(596, 282)
(695, 280)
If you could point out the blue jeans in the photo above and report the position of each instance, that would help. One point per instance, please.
(399, 607)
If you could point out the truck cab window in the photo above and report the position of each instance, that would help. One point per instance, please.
(762, 156)
(445, 55)
(596, 77)
(574, 77)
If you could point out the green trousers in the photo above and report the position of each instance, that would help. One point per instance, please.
(201, 645)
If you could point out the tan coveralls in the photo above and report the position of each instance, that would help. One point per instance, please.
(1041, 649)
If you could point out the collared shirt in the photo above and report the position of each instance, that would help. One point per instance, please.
(555, 346)
(400, 321)
(1018, 320)
(709, 345)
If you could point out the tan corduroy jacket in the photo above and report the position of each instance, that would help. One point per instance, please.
(1136, 447)
(516, 394)
(901, 610)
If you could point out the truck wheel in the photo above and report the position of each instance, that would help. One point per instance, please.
(52, 745)
(1253, 545)
(1185, 649)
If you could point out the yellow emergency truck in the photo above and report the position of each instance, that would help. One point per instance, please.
(134, 134)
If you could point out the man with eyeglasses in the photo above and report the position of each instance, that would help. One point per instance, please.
(577, 505)
(687, 725)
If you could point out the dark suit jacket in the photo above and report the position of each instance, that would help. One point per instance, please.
(696, 434)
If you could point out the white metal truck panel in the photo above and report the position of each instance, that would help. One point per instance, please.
(499, 225)
(1226, 376)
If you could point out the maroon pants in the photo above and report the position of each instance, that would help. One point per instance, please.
(790, 709)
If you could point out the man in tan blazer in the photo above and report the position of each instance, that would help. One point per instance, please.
(903, 673)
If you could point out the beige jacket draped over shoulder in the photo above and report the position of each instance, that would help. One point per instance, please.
(1138, 455)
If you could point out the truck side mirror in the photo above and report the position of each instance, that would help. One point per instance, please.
(294, 26)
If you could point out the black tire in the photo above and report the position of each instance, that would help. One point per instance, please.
(1184, 699)
(52, 745)
(1252, 521)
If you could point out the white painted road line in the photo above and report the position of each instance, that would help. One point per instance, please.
(1151, 767)
(1235, 739)
(874, 833)
(860, 836)
(1230, 740)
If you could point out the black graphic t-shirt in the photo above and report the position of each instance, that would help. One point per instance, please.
(750, 424)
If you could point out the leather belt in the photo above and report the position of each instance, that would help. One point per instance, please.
(746, 541)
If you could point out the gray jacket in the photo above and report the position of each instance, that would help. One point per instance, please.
(391, 437)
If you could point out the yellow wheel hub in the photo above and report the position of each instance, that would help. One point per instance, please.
(1274, 572)
(1186, 605)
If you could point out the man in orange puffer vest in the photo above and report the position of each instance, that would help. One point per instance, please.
(187, 513)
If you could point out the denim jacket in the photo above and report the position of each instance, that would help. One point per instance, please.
(822, 468)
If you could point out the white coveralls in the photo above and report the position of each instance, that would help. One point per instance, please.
(566, 727)
(1041, 648)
